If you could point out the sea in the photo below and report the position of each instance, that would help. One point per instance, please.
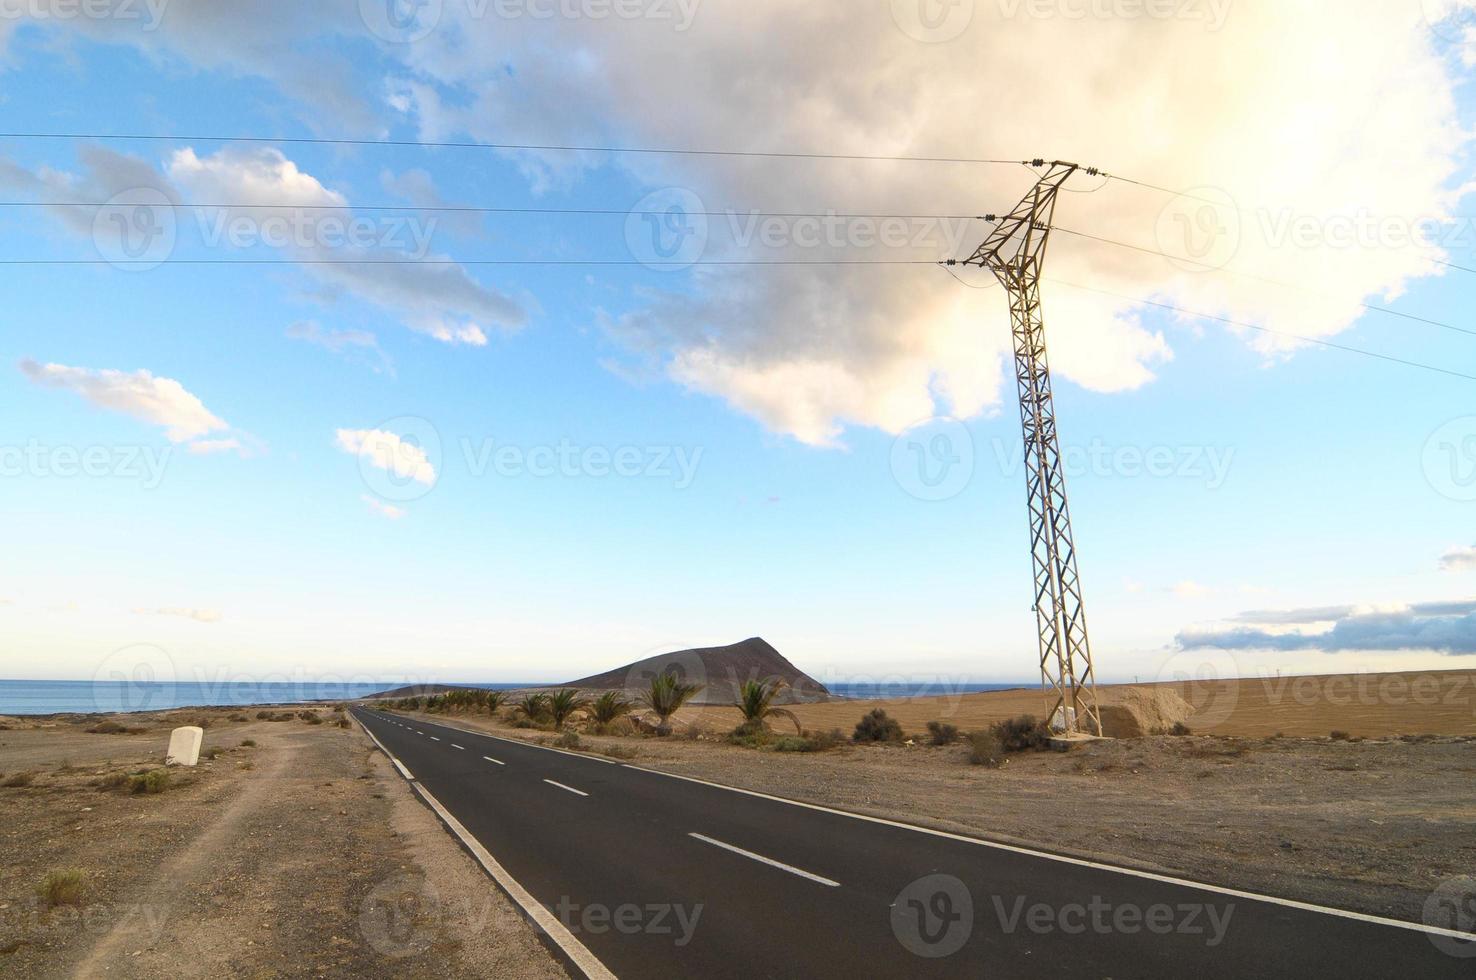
(86, 697)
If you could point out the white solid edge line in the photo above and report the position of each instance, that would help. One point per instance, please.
(387, 753)
(769, 861)
(571, 789)
(498, 761)
(1083, 863)
(577, 952)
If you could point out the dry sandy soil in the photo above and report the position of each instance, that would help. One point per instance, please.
(304, 855)
(1369, 705)
(1373, 825)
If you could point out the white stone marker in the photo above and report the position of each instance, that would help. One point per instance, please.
(184, 746)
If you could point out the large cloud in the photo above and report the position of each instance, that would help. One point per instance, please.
(1308, 121)
(1445, 627)
(1332, 134)
(139, 394)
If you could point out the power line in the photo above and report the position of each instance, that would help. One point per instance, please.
(1235, 207)
(1267, 330)
(475, 145)
(1210, 267)
(469, 209)
(675, 264)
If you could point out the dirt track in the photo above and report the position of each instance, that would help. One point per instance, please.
(302, 856)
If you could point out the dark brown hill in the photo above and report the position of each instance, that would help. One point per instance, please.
(722, 671)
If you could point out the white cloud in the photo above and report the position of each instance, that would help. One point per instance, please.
(206, 447)
(440, 300)
(388, 452)
(383, 509)
(436, 297)
(355, 344)
(1191, 590)
(198, 615)
(1459, 560)
(141, 395)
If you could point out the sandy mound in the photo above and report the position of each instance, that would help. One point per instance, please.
(1133, 712)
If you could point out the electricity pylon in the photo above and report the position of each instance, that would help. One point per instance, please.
(1013, 252)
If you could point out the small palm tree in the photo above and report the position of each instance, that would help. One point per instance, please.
(756, 703)
(561, 704)
(608, 707)
(666, 697)
(494, 700)
(533, 706)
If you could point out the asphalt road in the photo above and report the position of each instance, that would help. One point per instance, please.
(659, 876)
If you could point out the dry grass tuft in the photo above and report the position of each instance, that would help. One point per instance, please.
(64, 887)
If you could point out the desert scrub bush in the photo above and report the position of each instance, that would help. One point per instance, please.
(263, 716)
(877, 726)
(810, 741)
(568, 740)
(1340, 736)
(214, 752)
(1180, 730)
(986, 749)
(617, 751)
(238, 718)
(17, 779)
(343, 723)
(248, 743)
(1022, 734)
(153, 782)
(749, 737)
(941, 733)
(63, 887)
(113, 780)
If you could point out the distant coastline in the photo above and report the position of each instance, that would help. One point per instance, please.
(44, 697)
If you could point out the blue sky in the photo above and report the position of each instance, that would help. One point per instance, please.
(759, 410)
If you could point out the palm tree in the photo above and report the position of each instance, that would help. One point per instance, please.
(666, 697)
(533, 706)
(494, 700)
(756, 703)
(608, 707)
(561, 704)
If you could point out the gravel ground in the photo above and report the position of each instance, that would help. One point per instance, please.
(304, 855)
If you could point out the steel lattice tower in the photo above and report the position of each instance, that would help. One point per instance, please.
(1013, 252)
